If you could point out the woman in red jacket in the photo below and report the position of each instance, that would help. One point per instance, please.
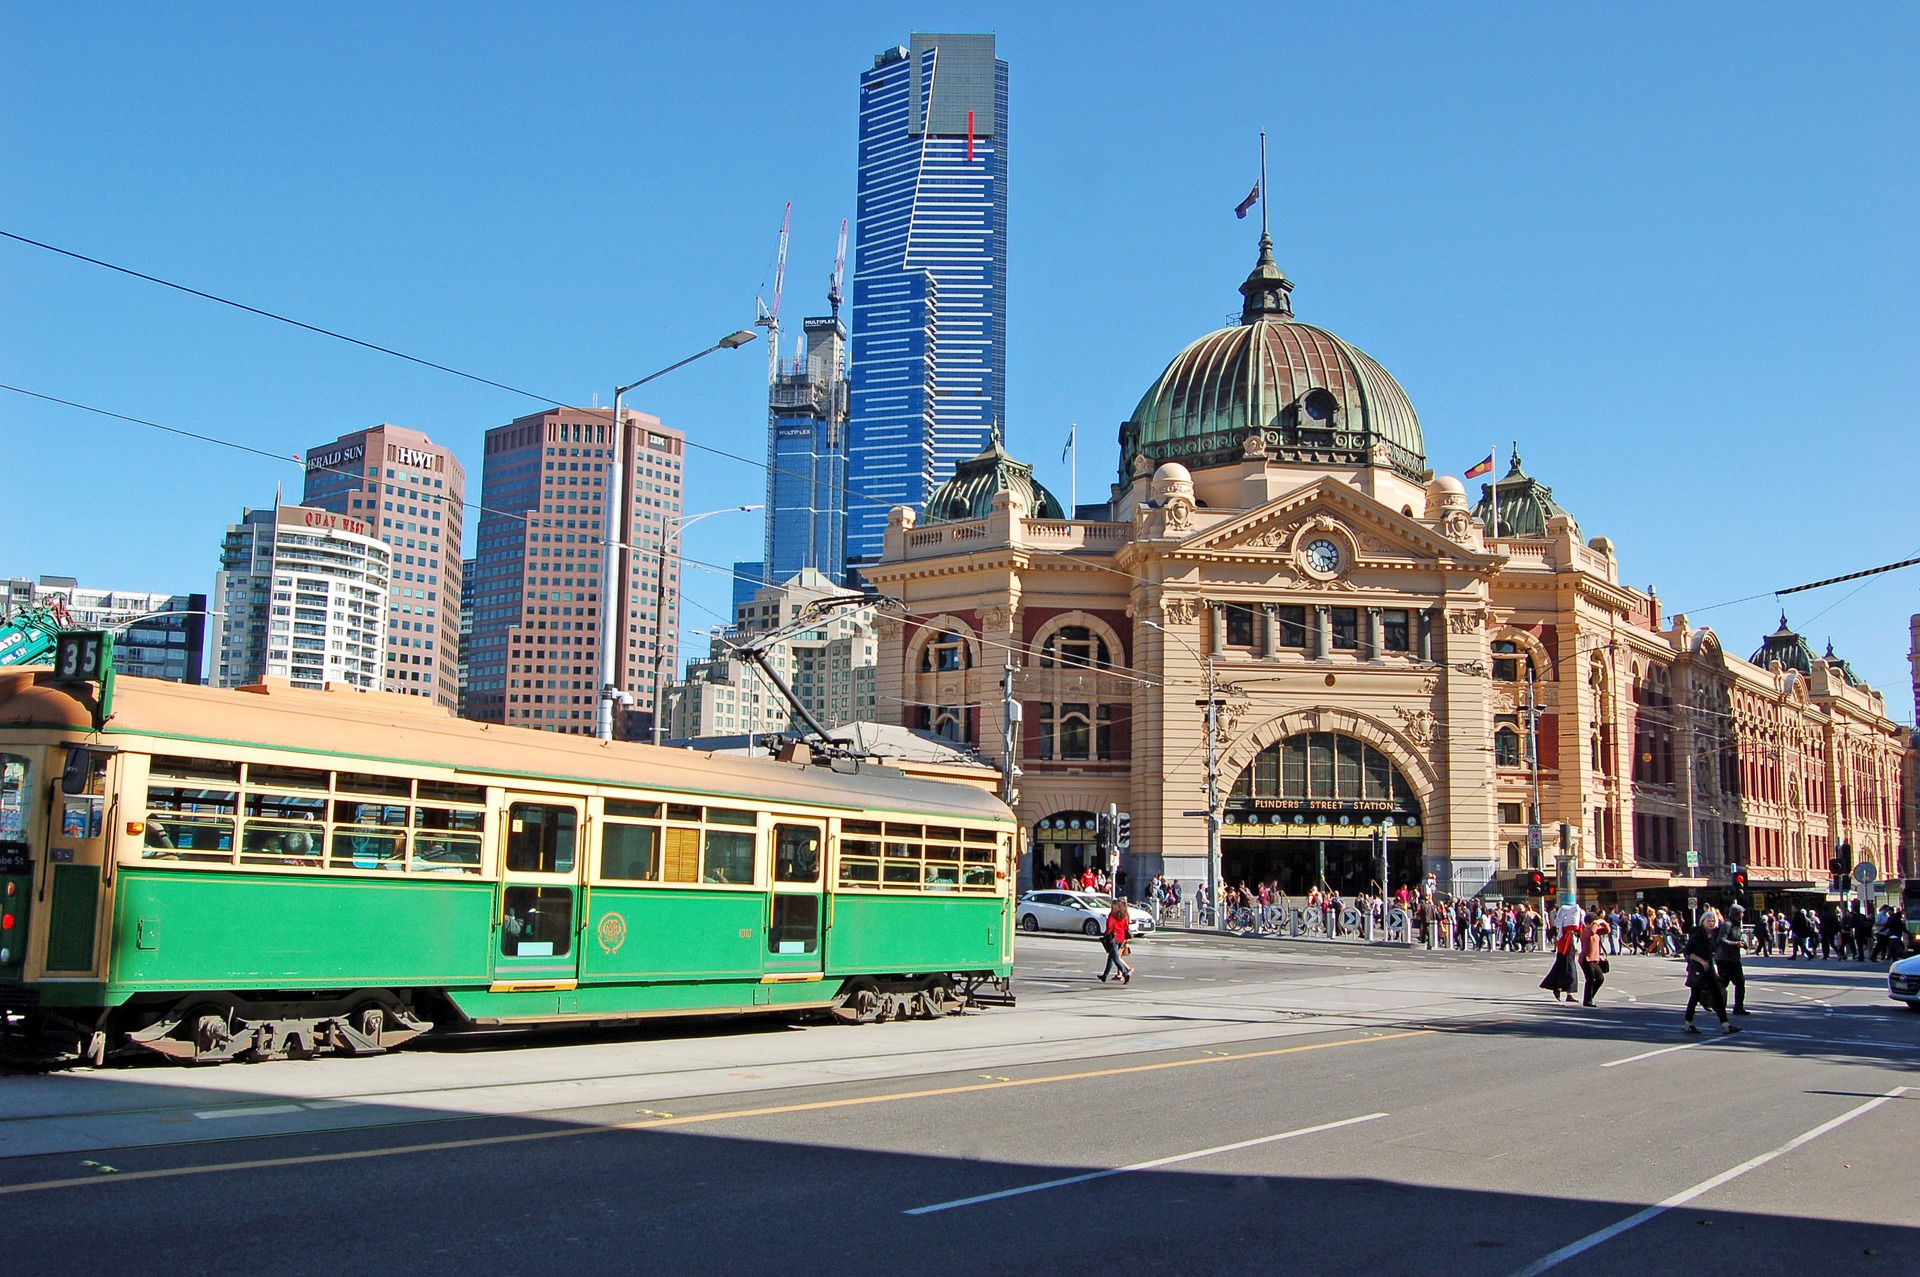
(1114, 938)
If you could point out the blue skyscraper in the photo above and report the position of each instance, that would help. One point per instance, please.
(929, 275)
(806, 462)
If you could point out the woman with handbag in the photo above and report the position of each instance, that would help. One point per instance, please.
(1593, 955)
(1561, 980)
(1114, 939)
(1703, 982)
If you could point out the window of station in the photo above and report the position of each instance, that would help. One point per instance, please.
(1292, 620)
(894, 856)
(1507, 661)
(1076, 731)
(1396, 630)
(209, 811)
(1506, 741)
(1075, 647)
(945, 652)
(1345, 625)
(1321, 766)
(1240, 627)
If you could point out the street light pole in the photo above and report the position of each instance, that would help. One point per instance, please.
(660, 610)
(1212, 704)
(613, 530)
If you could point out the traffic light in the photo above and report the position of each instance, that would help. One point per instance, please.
(1739, 877)
(1106, 831)
(1123, 830)
(1843, 860)
(1533, 882)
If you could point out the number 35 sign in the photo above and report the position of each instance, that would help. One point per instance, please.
(86, 656)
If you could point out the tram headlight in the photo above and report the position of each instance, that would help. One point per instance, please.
(6, 956)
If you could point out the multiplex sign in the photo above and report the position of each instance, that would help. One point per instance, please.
(338, 457)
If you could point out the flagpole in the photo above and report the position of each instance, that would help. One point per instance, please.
(1073, 468)
(1263, 183)
(1493, 514)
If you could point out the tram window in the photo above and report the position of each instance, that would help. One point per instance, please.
(630, 853)
(14, 792)
(796, 924)
(859, 857)
(902, 864)
(381, 786)
(307, 778)
(682, 860)
(728, 816)
(987, 836)
(440, 791)
(729, 857)
(189, 823)
(682, 811)
(943, 867)
(796, 854)
(632, 810)
(857, 828)
(540, 839)
(447, 840)
(174, 767)
(536, 922)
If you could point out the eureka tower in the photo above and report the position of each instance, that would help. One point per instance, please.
(929, 364)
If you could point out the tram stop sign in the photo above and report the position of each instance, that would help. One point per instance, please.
(1864, 873)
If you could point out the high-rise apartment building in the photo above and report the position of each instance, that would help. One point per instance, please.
(536, 607)
(930, 274)
(831, 667)
(301, 595)
(411, 493)
(155, 635)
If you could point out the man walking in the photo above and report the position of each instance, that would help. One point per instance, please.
(1727, 958)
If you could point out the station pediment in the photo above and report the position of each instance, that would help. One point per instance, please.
(1368, 529)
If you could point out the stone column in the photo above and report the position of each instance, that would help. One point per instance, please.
(1216, 628)
(1375, 639)
(1270, 618)
(1322, 631)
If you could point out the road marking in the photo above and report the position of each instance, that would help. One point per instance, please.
(1137, 1166)
(1681, 1198)
(1665, 1050)
(815, 1106)
(251, 1110)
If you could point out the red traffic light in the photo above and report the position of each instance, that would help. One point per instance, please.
(1535, 882)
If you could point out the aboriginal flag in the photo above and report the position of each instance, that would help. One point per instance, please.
(1485, 467)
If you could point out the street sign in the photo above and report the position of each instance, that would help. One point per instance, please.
(1864, 873)
(1533, 838)
(1193, 813)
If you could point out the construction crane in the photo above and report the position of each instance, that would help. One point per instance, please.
(769, 317)
(839, 271)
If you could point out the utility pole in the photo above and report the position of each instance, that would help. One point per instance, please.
(1009, 725)
(1535, 837)
(1213, 799)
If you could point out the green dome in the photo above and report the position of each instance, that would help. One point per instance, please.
(1309, 397)
(969, 493)
(1525, 503)
(1845, 670)
(1786, 647)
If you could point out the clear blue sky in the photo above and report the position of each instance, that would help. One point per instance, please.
(1669, 249)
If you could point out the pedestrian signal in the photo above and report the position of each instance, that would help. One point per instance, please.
(1534, 883)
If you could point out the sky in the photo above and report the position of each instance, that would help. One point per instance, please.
(1669, 250)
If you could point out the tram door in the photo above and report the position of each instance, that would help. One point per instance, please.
(542, 855)
(796, 927)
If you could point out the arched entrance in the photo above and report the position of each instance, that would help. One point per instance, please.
(1309, 811)
(1063, 844)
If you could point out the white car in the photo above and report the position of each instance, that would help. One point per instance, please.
(1903, 982)
(1081, 911)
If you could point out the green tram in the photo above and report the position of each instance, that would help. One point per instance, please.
(266, 872)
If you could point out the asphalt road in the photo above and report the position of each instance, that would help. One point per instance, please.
(1242, 1106)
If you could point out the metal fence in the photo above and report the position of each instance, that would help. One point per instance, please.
(1291, 921)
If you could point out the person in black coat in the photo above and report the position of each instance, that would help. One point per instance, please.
(1703, 980)
(1727, 958)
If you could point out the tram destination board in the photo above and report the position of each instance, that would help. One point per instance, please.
(13, 857)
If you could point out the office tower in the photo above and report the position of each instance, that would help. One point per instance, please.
(301, 595)
(466, 630)
(831, 667)
(807, 456)
(412, 494)
(155, 635)
(534, 660)
(930, 275)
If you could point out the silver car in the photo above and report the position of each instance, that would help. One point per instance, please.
(1081, 911)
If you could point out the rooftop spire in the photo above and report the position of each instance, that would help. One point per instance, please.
(1267, 291)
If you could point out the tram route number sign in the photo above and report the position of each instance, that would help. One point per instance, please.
(13, 858)
(82, 656)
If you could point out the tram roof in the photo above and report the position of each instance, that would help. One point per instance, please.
(389, 727)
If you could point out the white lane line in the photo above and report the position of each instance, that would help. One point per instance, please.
(1681, 1198)
(1665, 1050)
(1138, 1166)
(251, 1110)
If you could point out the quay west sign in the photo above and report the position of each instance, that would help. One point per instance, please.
(303, 517)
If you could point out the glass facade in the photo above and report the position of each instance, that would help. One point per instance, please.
(930, 274)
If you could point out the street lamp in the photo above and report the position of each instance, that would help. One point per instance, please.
(660, 610)
(613, 581)
(1212, 704)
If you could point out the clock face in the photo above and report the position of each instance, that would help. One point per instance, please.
(1322, 555)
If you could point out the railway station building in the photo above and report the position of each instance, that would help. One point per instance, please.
(1375, 650)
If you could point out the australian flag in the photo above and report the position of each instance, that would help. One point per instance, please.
(1253, 197)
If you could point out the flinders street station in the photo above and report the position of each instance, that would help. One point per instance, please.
(1372, 648)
